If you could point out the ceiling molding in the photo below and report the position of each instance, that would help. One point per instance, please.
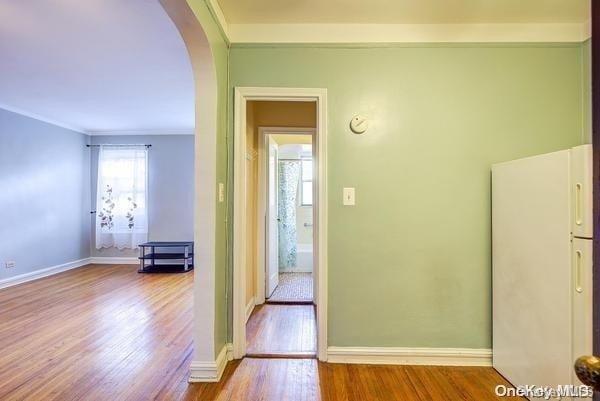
(409, 33)
(42, 119)
(166, 131)
(219, 17)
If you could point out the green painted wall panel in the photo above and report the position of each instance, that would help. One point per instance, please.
(409, 265)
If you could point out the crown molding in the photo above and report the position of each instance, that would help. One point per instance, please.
(166, 131)
(42, 119)
(409, 33)
(219, 16)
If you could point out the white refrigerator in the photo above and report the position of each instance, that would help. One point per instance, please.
(542, 266)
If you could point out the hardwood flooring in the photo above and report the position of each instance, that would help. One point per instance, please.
(282, 329)
(310, 380)
(107, 333)
(95, 333)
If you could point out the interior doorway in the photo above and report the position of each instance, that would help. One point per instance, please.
(288, 214)
(280, 223)
(285, 324)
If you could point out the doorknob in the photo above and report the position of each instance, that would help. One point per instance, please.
(587, 369)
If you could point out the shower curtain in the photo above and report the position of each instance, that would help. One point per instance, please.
(289, 177)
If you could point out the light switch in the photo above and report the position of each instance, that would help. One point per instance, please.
(221, 192)
(349, 199)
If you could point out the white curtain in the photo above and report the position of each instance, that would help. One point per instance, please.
(122, 197)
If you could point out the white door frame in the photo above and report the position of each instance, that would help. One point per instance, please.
(242, 96)
(261, 205)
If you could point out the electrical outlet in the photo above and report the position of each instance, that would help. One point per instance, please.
(10, 264)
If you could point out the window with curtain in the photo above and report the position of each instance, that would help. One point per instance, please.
(122, 197)
(307, 182)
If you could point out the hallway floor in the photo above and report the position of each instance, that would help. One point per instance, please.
(282, 329)
(293, 287)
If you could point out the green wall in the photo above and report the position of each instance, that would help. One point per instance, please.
(220, 50)
(409, 265)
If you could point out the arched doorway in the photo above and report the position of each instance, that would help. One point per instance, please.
(207, 357)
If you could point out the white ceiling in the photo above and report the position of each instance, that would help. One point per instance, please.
(404, 11)
(95, 65)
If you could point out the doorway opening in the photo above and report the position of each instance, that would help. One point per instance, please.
(288, 215)
(279, 214)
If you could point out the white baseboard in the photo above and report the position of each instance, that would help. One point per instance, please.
(114, 260)
(210, 371)
(229, 351)
(410, 356)
(249, 308)
(49, 271)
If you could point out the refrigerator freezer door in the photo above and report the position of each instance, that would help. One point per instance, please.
(581, 289)
(531, 270)
(581, 191)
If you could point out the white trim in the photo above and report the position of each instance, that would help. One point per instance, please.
(586, 30)
(165, 131)
(114, 260)
(411, 356)
(49, 271)
(239, 227)
(261, 205)
(220, 16)
(210, 371)
(249, 309)
(242, 95)
(408, 33)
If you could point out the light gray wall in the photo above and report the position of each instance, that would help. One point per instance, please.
(170, 187)
(44, 195)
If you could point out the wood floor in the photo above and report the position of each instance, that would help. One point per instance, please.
(282, 329)
(108, 333)
(95, 333)
(310, 380)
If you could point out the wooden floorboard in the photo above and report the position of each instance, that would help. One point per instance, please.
(281, 329)
(97, 332)
(108, 333)
(310, 380)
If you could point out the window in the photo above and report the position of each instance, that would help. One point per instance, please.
(307, 182)
(121, 200)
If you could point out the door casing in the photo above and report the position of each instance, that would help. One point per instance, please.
(241, 97)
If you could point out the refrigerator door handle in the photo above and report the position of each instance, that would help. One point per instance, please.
(578, 204)
(578, 272)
